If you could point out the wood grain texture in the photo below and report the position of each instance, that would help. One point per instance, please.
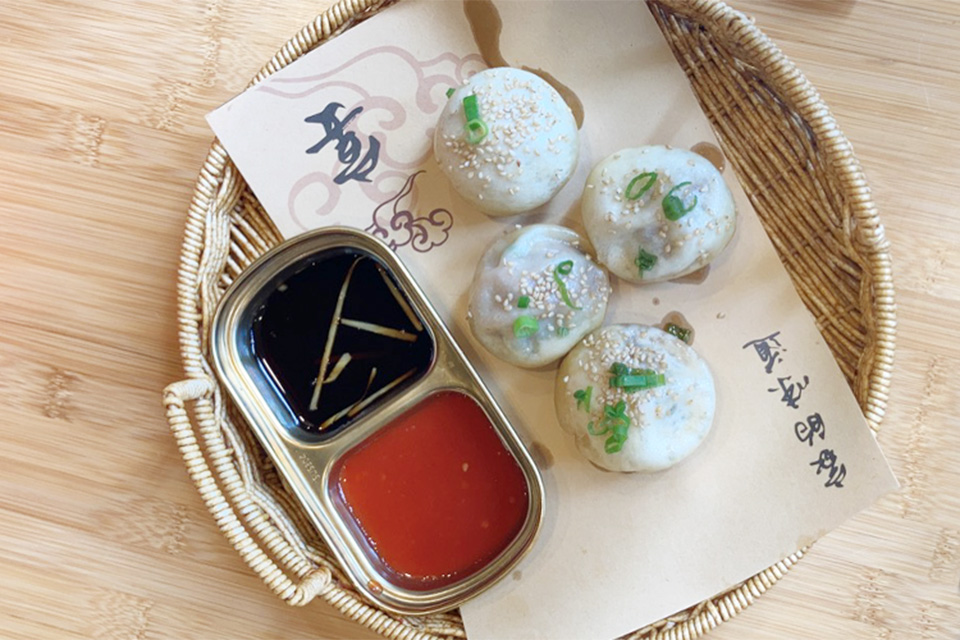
(103, 536)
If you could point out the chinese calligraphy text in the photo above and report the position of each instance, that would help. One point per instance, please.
(348, 145)
(769, 350)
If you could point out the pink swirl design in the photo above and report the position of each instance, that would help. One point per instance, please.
(399, 227)
(307, 181)
(424, 83)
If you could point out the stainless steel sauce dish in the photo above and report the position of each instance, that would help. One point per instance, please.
(264, 368)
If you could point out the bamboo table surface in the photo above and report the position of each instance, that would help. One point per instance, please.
(102, 534)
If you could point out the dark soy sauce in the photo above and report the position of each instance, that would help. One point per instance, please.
(291, 327)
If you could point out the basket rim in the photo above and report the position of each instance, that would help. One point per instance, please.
(217, 179)
(800, 95)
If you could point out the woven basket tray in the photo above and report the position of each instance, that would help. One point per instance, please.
(794, 164)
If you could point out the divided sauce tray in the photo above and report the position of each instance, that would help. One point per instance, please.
(334, 471)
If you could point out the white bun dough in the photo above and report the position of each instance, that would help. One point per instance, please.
(667, 423)
(529, 152)
(521, 267)
(620, 227)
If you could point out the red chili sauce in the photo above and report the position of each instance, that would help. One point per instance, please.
(435, 493)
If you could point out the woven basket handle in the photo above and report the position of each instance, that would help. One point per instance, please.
(294, 593)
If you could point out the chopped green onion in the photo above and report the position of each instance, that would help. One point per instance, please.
(450, 91)
(673, 207)
(471, 109)
(678, 332)
(616, 422)
(638, 382)
(523, 302)
(645, 261)
(475, 127)
(563, 331)
(476, 131)
(525, 326)
(630, 380)
(582, 397)
(616, 410)
(651, 179)
(619, 369)
(614, 443)
(564, 269)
